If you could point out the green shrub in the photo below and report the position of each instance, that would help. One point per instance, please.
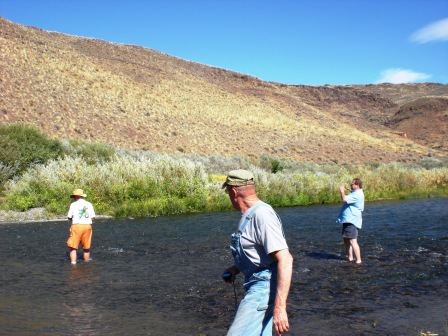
(21, 201)
(140, 184)
(270, 164)
(25, 145)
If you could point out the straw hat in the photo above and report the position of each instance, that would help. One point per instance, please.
(78, 192)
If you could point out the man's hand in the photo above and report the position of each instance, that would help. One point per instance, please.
(342, 190)
(233, 271)
(281, 323)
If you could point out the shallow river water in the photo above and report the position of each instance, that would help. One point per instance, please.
(161, 276)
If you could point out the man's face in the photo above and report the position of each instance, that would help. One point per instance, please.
(354, 186)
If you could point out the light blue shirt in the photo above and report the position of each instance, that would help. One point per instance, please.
(352, 209)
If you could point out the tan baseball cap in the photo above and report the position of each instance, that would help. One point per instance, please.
(238, 178)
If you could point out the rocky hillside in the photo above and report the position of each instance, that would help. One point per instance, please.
(138, 98)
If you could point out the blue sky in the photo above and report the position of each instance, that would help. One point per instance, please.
(311, 42)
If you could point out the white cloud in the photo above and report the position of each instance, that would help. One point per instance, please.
(399, 76)
(436, 31)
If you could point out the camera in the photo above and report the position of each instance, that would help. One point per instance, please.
(227, 276)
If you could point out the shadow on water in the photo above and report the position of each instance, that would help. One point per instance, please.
(323, 255)
(162, 276)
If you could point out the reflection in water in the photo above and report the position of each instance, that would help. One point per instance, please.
(163, 275)
(79, 311)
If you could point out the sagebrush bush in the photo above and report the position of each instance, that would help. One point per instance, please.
(396, 180)
(143, 183)
(92, 152)
(6, 172)
(112, 186)
(430, 163)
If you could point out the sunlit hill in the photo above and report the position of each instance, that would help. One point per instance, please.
(138, 98)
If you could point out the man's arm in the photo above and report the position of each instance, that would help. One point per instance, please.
(284, 276)
(70, 213)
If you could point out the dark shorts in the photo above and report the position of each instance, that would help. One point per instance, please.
(349, 231)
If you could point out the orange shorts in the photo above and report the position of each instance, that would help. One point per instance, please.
(80, 233)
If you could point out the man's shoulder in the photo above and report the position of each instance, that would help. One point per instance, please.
(358, 193)
(264, 207)
(265, 212)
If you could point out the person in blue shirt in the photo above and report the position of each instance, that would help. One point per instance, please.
(351, 219)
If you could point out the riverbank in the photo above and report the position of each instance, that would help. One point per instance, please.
(151, 187)
(42, 215)
(142, 184)
(34, 215)
(31, 215)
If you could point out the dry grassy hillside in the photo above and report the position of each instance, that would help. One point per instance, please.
(425, 120)
(138, 98)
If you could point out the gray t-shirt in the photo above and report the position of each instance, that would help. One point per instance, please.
(263, 235)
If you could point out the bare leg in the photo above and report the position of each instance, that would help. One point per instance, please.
(348, 248)
(86, 255)
(73, 255)
(356, 250)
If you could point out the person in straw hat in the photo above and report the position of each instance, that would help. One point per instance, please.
(81, 214)
(260, 252)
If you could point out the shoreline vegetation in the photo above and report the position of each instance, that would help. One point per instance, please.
(37, 175)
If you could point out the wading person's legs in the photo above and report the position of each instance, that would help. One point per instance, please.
(356, 250)
(349, 249)
(73, 255)
(350, 236)
(353, 249)
(86, 242)
(73, 243)
(254, 315)
(86, 255)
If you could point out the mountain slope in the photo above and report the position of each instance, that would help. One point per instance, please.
(425, 120)
(138, 98)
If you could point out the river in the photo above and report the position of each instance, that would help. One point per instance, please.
(162, 276)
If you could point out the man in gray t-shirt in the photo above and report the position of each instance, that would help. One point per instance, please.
(263, 236)
(260, 252)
